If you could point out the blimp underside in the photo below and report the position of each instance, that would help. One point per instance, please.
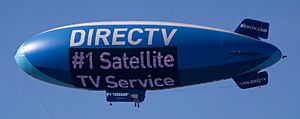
(127, 58)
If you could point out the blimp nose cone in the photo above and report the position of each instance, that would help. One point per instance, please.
(270, 53)
(23, 62)
(253, 54)
(273, 53)
(20, 58)
(23, 58)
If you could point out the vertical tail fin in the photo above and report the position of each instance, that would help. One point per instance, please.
(253, 28)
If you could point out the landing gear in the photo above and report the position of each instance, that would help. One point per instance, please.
(136, 101)
(110, 104)
(137, 104)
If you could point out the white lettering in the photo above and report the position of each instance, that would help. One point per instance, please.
(156, 82)
(81, 40)
(169, 81)
(133, 62)
(117, 35)
(151, 33)
(145, 60)
(130, 33)
(254, 28)
(167, 38)
(91, 31)
(103, 37)
(169, 59)
(82, 78)
(123, 83)
(105, 60)
(97, 83)
(114, 84)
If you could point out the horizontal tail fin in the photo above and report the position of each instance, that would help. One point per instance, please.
(253, 28)
(252, 79)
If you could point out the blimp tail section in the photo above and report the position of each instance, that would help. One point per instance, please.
(250, 80)
(253, 28)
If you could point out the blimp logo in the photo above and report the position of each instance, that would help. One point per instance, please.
(119, 35)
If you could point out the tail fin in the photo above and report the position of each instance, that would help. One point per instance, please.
(253, 28)
(252, 79)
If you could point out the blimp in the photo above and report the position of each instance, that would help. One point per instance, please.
(127, 58)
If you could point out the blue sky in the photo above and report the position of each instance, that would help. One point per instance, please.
(24, 97)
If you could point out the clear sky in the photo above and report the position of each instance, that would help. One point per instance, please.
(22, 97)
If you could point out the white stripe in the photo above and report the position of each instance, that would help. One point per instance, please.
(138, 23)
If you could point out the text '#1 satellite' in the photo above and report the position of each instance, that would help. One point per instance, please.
(126, 58)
